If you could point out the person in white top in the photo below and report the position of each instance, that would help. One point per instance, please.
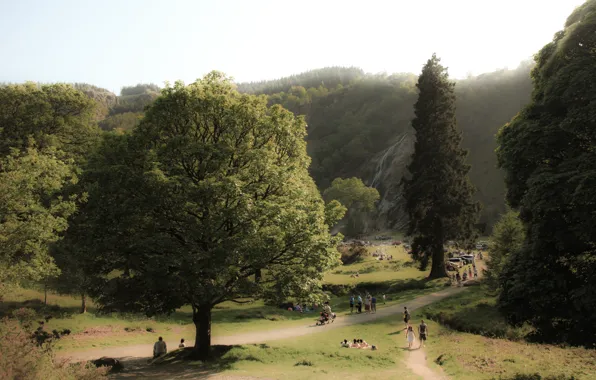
(160, 348)
(410, 336)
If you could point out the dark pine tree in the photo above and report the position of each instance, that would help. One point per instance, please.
(438, 194)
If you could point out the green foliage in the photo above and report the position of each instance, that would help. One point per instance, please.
(508, 236)
(356, 197)
(547, 152)
(32, 212)
(55, 115)
(351, 124)
(121, 122)
(103, 98)
(329, 77)
(439, 194)
(140, 89)
(352, 193)
(208, 200)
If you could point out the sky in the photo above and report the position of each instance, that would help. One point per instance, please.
(114, 43)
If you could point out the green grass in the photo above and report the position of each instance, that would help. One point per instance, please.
(372, 270)
(472, 341)
(469, 356)
(318, 356)
(93, 330)
(461, 356)
(474, 311)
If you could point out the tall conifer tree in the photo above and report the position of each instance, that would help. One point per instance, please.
(438, 194)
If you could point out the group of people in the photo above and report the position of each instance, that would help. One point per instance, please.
(370, 306)
(409, 330)
(382, 256)
(357, 343)
(467, 275)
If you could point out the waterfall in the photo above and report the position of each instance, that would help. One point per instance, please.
(380, 166)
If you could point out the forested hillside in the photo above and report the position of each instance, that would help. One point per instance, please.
(362, 127)
(359, 125)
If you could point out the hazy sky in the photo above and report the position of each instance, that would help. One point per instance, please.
(112, 43)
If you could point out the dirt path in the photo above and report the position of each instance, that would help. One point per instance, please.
(145, 350)
(416, 361)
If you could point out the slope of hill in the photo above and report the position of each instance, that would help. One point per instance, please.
(362, 128)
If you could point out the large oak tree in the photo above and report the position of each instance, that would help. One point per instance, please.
(209, 200)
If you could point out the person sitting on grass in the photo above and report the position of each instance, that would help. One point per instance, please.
(159, 348)
(181, 345)
(355, 344)
(345, 343)
(362, 343)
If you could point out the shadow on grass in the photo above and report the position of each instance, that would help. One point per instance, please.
(179, 364)
(7, 308)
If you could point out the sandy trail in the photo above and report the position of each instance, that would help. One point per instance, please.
(145, 350)
(416, 361)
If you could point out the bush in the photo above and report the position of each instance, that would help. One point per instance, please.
(22, 358)
(537, 376)
(353, 253)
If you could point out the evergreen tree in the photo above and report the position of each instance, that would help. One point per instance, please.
(438, 194)
(507, 238)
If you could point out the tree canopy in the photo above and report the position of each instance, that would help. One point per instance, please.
(208, 200)
(55, 115)
(32, 215)
(438, 193)
(547, 152)
(357, 198)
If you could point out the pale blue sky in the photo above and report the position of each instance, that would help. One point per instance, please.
(115, 43)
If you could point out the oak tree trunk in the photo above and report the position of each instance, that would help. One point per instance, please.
(202, 320)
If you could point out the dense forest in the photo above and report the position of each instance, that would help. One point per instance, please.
(359, 126)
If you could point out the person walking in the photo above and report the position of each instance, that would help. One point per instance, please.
(384, 299)
(159, 348)
(422, 333)
(373, 304)
(406, 316)
(410, 336)
(352, 304)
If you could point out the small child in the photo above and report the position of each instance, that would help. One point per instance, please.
(181, 345)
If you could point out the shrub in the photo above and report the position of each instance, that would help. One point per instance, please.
(537, 376)
(352, 254)
(305, 363)
(22, 358)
